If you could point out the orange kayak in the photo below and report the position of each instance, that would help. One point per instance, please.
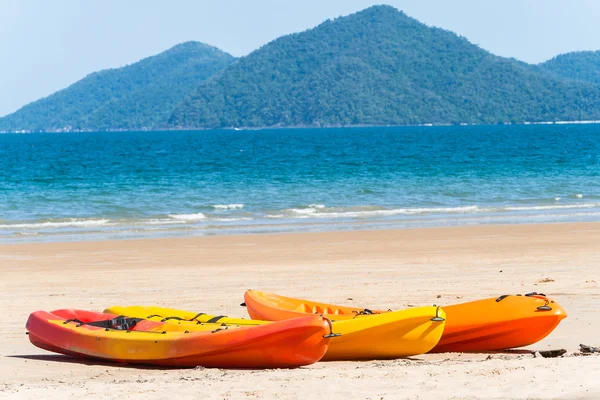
(500, 323)
(483, 325)
(86, 334)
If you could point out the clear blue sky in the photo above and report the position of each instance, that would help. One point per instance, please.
(49, 44)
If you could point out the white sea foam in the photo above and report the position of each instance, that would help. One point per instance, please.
(228, 206)
(311, 209)
(232, 219)
(312, 212)
(557, 207)
(303, 211)
(71, 223)
(459, 210)
(188, 217)
(161, 221)
(579, 195)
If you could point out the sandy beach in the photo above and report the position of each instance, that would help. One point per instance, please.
(374, 269)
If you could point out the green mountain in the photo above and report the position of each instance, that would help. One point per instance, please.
(137, 96)
(581, 65)
(379, 67)
(375, 67)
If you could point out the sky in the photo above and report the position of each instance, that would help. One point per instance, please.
(47, 45)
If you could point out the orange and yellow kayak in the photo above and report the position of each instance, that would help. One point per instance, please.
(484, 325)
(87, 334)
(391, 335)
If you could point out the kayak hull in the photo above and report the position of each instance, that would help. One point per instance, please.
(387, 336)
(297, 343)
(489, 324)
(484, 325)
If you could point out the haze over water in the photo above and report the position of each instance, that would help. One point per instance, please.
(80, 186)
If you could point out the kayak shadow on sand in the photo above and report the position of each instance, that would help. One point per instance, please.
(105, 363)
(87, 361)
(97, 362)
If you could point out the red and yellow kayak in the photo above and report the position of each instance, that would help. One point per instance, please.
(483, 325)
(86, 334)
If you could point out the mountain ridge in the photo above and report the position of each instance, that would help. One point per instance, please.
(374, 67)
(380, 67)
(134, 96)
(577, 65)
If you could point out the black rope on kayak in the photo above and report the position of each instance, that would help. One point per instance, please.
(499, 299)
(170, 318)
(216, 319)
(330, 334)
(153, 315)
(535, 294)
(79, 323)
(437, 317)
(196, 316)
(223, 328)
(366, 311)
(545, 307)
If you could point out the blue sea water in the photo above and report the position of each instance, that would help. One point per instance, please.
(78, 186)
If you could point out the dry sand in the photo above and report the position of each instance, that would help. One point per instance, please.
(374, 269)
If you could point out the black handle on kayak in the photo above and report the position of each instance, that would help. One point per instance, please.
(330, 334)
(437, 317)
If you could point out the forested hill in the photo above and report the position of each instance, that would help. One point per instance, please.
(582, 65)
(374, 67)
(137, 96)
(379, 67)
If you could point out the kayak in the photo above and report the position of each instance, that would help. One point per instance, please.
(499, 323)
(484, 325)
(391, 335)
(87, 334)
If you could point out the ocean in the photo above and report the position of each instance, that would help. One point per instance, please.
(120, 185)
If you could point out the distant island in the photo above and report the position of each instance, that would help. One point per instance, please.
(374, 67)
(138, 96)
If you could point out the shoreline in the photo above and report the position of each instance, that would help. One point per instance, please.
(260, 229)
(275, 127)
(374, 269)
